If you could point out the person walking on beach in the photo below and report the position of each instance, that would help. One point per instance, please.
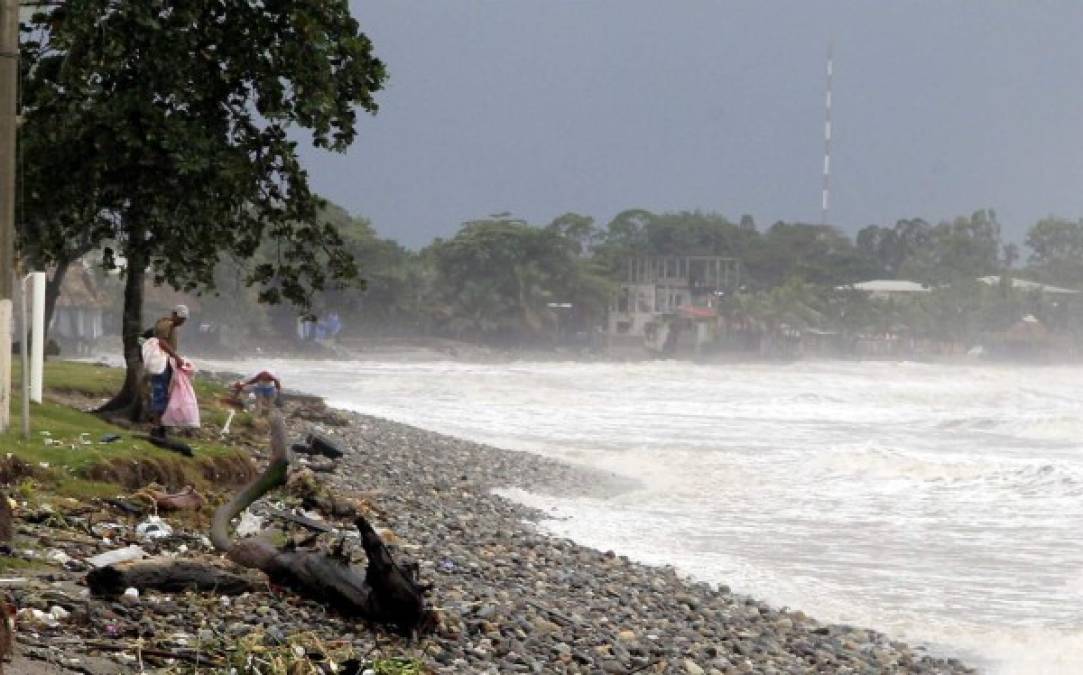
(168, 336)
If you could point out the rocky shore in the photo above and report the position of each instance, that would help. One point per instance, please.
(515, 600)
(510, 598)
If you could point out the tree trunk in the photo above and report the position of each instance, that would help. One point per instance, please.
(129, 399)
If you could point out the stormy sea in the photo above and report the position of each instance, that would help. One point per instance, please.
(940, 504)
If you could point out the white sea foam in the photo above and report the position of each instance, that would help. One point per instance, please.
(940, 504)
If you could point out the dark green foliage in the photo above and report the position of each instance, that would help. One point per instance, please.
(1057, 251)
(496, 278)
(159, 130)
(162, 127)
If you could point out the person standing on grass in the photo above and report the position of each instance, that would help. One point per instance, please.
(166, 330)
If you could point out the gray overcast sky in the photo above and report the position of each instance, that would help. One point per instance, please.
(541, 107)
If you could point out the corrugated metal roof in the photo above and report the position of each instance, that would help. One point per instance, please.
(890, 286)
(1024, 285)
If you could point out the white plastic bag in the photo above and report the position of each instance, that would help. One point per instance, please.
(154, 359)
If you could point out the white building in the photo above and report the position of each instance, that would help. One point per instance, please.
(659, 286)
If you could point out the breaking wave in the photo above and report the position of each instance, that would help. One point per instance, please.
(939, 504)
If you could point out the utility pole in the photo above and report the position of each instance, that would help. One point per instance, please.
(827, 137)
(9, 82)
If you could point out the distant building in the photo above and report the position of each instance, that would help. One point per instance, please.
(661, 295)
(1024, 285)
(79, 317)
(883, 289)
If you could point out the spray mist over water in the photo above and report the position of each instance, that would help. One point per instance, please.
(939, 504)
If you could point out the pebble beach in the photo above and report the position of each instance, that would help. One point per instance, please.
(511, 599)
(516, 600)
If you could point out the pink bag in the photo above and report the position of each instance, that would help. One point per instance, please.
(183, 408)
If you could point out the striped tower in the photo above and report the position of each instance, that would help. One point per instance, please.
(827, 139)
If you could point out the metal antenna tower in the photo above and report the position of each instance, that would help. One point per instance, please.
(827, 137)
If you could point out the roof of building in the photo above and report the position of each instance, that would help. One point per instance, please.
(1024, 285)
(80, 290)
(889, 286)
(1027, 329)
(693, 312)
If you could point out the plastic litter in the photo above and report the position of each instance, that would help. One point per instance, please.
(154, 528)
(155, 359)
(36, 616)
(119, 555)
(250, 524)
(131, 593)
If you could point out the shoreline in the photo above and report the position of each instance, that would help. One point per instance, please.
(431, 349)
(514, 598)
(517, 599)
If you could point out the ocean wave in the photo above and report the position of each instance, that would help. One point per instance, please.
(885, 464)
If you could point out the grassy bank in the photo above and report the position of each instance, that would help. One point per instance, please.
(67, 448)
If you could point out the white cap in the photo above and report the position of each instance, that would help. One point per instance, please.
(181, 311)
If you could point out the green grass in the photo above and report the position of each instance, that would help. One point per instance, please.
(102, 381)
(398, 666)
(83, 378)
(69, 440)
(13, 565)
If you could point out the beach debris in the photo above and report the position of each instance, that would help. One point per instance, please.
(304, 485)
(320, 465)
(249, 525)
(185, 500)
(6, 514)
(126, 554)
(229, 420)
(313, 409)
(109, 438)
(387, 594)
(34, 616)
(131, 508)
(128, 579)
(58, 613)
(168, 444)
(154, 528)
(306, 520)
(320, 444)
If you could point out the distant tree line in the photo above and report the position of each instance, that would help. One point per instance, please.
(502, 280)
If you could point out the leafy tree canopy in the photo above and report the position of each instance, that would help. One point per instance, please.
(163, 127)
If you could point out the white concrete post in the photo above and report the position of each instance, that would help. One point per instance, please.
(5, 363)
(37, 337)
(24, 354)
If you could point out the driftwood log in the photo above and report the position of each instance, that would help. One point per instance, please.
(386, 594)
(169, 576)
(168, 444)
